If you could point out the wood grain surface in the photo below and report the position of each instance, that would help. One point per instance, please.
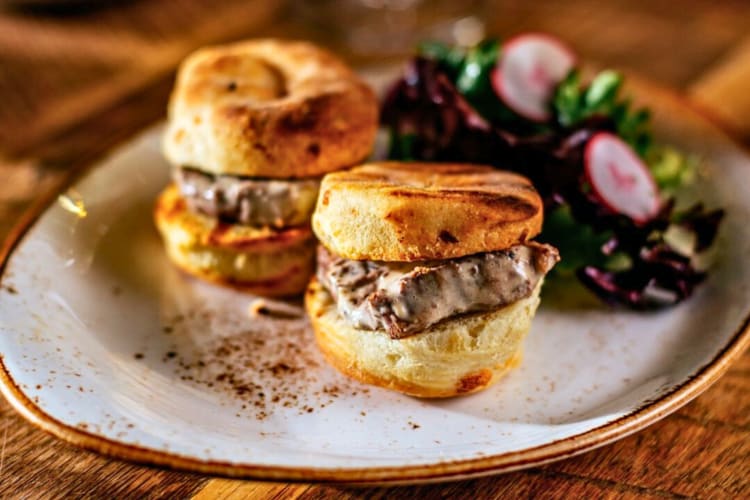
(76, 83)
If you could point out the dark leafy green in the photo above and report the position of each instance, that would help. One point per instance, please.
(448, 57)
(444, 109)
(574, 102)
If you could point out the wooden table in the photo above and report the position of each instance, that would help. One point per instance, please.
(74, 84)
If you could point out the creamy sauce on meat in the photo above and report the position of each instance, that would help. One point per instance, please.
(406, 298)
(248, 201)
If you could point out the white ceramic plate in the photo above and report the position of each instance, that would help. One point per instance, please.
(106, 345)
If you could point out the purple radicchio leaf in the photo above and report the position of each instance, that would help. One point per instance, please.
(659, 277)
(443, 126)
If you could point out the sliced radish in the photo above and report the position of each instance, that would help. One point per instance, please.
(529, 69)
(620, 179)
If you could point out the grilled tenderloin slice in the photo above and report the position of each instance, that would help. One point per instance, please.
(405, 298)
(248, 201)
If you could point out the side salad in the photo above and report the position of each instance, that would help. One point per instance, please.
(608, 186)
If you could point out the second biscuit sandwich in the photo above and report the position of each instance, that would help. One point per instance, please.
(252, 126)
(427, 279)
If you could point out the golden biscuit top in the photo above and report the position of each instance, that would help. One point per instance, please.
(395, 211)
(269, 108)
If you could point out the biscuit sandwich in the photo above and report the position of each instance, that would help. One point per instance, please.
(427, 280)
(252, 127)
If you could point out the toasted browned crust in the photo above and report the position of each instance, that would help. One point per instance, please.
(419, 211)
(265, 261)
(458, 356)
(269, 108)
(469, 384)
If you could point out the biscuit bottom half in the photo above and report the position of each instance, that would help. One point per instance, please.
(457, 356)
(261, 260)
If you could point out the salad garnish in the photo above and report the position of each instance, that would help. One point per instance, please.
(608, 187)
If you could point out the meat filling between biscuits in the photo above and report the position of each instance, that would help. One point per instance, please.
(405, 298)
(248, 201)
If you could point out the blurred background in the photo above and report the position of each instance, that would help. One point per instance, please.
(78, 76)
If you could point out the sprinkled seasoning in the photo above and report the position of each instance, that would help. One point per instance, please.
(265, 362)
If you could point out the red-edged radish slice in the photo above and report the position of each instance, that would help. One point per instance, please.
(529, 69)
(619, 178)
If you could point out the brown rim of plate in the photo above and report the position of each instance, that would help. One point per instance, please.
(637, 419)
